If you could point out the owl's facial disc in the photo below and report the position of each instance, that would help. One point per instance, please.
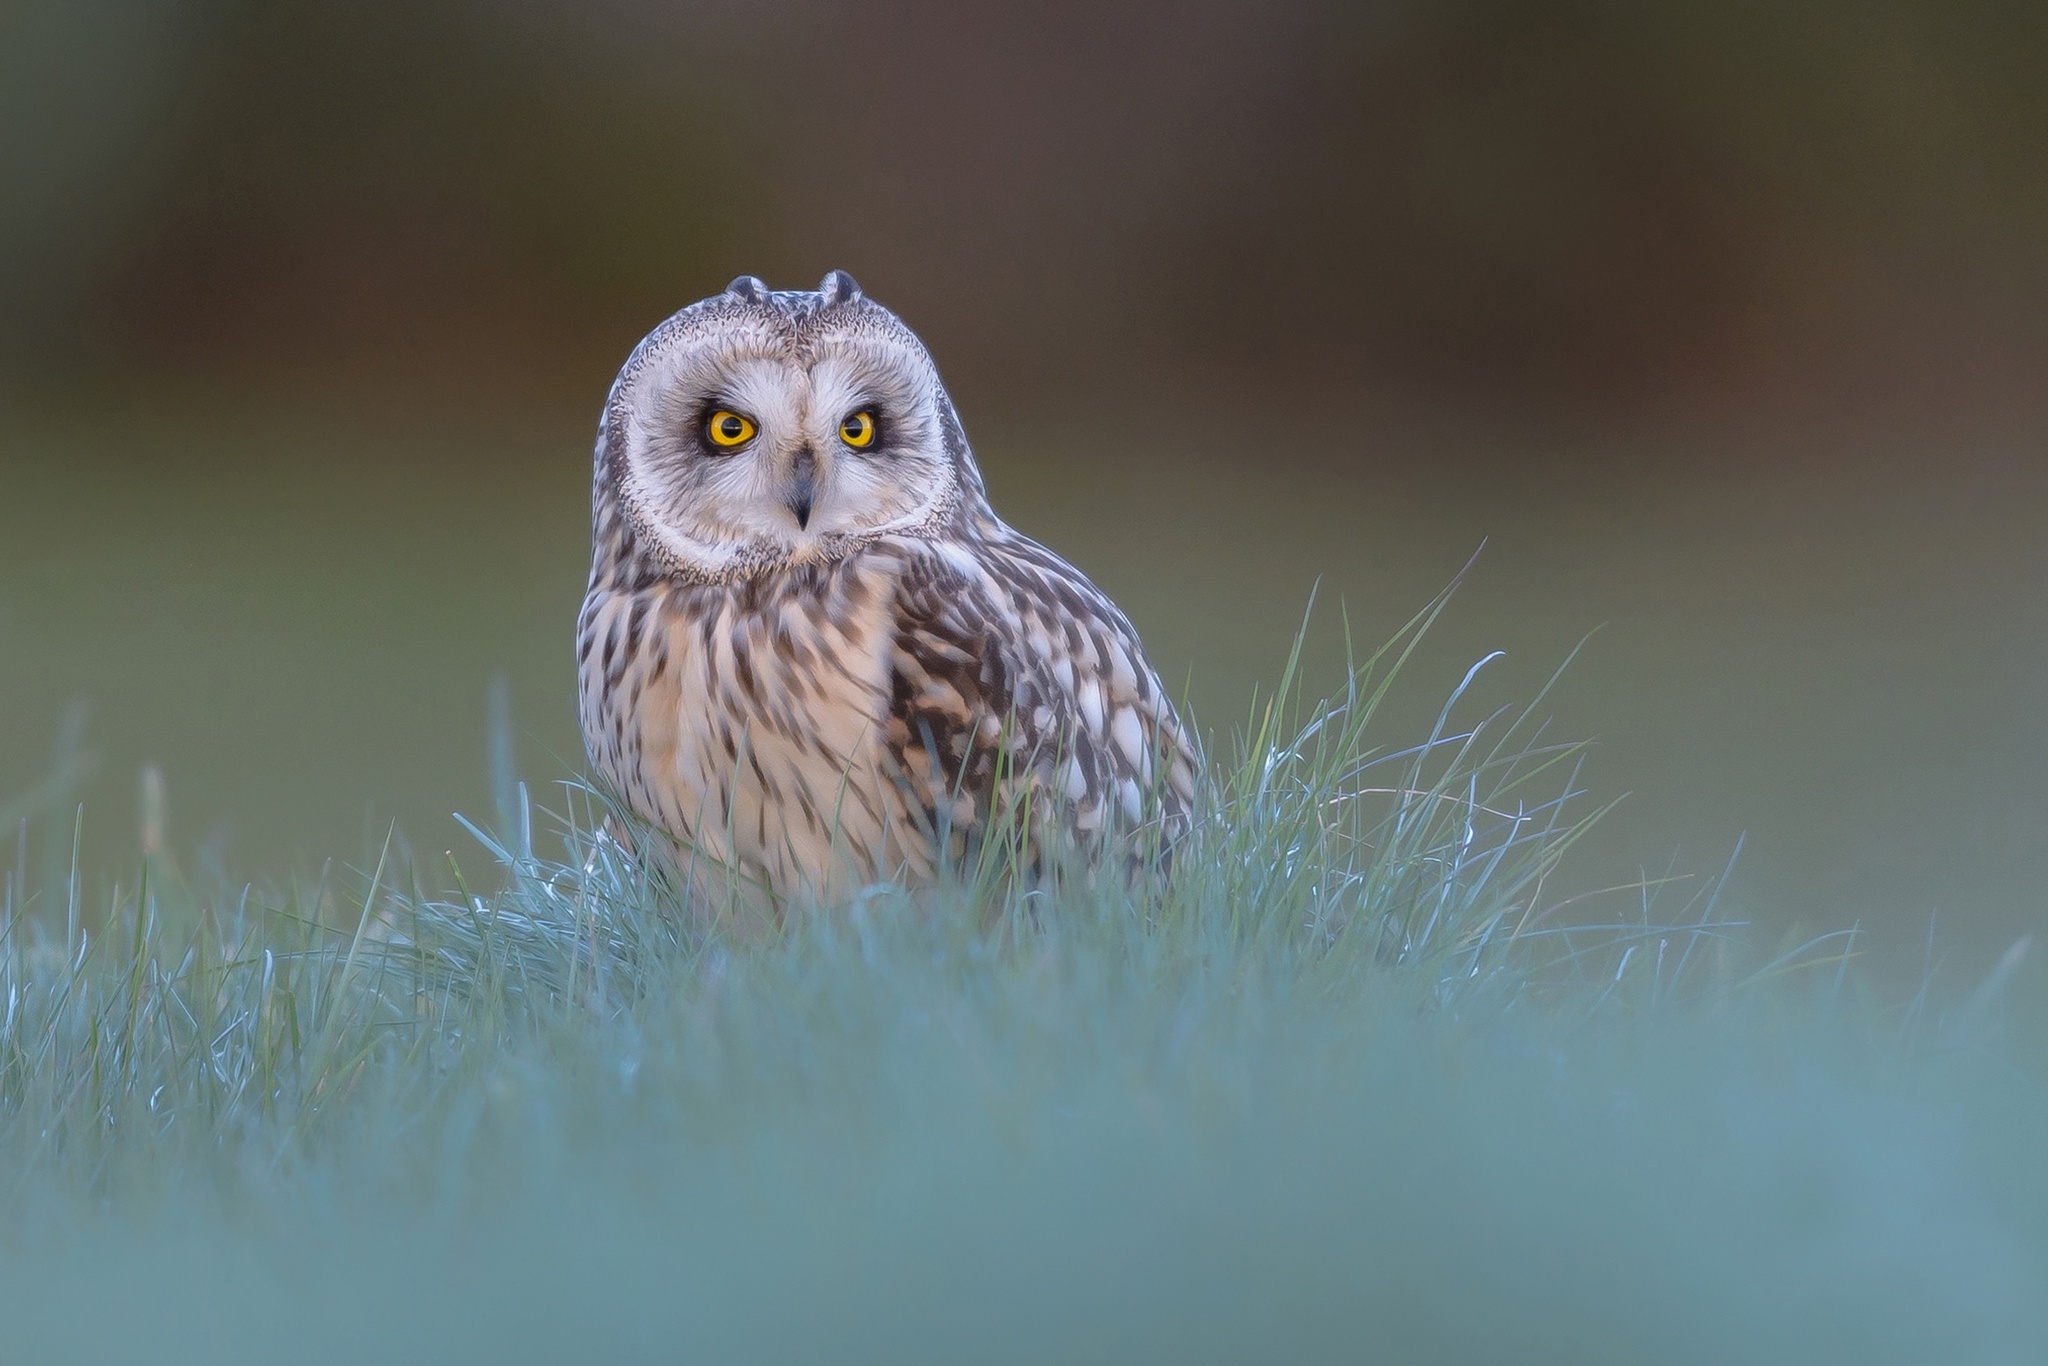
(746, 449)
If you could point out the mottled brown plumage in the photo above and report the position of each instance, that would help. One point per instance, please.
(817, 664)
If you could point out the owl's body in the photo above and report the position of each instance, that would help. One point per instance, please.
(811, 654)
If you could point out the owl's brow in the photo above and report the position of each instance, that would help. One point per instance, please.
(720, 400)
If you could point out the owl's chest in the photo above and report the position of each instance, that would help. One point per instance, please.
(749, 723)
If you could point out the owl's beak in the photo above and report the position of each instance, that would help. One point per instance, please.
(802, 487)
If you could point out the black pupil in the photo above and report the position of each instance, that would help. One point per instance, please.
(856, 426)
(730, 427)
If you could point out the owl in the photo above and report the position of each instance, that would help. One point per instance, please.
(811, 655)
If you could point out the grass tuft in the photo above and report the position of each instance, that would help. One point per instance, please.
(1353, 1080)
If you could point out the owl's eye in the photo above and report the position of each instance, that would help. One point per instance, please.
(858, 429)
(727, 428)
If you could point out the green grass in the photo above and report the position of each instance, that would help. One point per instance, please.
(1356, 1082)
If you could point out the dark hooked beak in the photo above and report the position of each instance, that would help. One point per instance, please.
(802, 487)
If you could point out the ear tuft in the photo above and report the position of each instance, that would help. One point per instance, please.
(750, 288)
(838, 288)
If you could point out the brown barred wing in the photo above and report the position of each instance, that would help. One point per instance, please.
(1014, 678)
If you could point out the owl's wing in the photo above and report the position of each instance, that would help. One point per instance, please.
(1011, 674)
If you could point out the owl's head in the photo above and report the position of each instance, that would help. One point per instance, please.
(758, 429)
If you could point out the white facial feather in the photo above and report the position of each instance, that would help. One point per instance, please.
(715, 510)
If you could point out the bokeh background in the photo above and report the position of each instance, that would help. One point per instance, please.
(1722, 324)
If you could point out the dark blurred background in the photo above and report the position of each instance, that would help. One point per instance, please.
(1723, 323)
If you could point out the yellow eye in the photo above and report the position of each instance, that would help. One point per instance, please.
(727, 428)
(858, 430)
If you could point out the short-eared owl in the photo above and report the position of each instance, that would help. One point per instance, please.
(811, 652)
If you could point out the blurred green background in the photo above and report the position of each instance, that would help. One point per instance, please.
(1722, 324)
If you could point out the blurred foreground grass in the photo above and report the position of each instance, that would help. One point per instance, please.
(1348, 1085)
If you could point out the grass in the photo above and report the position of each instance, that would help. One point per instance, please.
(1353, 1083)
